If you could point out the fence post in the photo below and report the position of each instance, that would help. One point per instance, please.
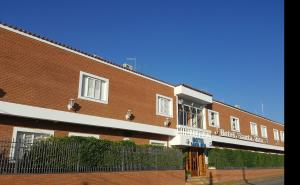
(78, 158)
(123, 153)
(156, 158)
(17, 154)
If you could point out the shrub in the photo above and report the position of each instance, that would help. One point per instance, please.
(227, 158)
(82, 153)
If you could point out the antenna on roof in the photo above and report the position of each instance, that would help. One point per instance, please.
(262, 108)
(134, 60)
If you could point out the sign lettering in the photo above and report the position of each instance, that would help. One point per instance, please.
(240, 136)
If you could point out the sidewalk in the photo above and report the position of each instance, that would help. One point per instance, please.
(259, 181)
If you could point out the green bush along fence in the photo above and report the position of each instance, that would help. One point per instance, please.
(79, 154)
(227, 158)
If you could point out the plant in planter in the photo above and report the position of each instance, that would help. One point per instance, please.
(188, 174)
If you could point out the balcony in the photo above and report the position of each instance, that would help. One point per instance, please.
(194, 132)
(192, 94)
(190, 136)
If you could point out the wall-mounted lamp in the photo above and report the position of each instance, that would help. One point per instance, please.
(167, 122)
(217, 132)
(71, 104)
(129, 115)
(180, 101)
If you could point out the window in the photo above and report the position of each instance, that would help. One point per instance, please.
(282, 136)
(93, 88)
(164, 106)
(213, 118)
(190, 116)
(253, 128)
(23, 139)
(180, 115)
(235, 124)
(276, 135)
(83, 134)
(264, 131)
(158, 143)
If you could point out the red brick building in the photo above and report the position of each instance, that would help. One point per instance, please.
(48, 88)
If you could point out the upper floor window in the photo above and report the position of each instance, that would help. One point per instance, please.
(164, 106)
(235, 124)
(253, 128)
(282, 136)
(93, 88)
(190, 116)
(213, 118)
(264, 133)
(276, 135)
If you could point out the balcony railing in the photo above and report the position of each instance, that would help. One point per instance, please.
(191, 131)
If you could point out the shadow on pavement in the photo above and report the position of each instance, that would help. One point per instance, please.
(210, 179)
(244, 177)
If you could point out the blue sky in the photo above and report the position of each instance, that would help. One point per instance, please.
(232, 49)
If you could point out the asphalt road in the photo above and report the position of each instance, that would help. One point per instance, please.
(273, 181)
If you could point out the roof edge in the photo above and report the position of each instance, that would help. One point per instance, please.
(195, 89)
(105, 61)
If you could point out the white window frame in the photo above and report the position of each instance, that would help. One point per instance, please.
(24, 129)
(165, 143)
(277, 134)
(253, 132)
(282, 136)
(84, 134)
(237, 126)
(262, 131)
(217, 119)
(96, 77)
(171, 106)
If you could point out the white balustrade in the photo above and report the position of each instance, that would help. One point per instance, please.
(191, 131)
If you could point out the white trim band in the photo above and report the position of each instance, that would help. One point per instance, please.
(83, 119)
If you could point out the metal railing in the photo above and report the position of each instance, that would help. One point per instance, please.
(53, 157)
(191, 131)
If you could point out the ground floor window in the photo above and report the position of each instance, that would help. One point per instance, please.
(158, 143)
(24, 137)
(84, 134)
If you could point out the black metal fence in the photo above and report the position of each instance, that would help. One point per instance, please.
(59, 157)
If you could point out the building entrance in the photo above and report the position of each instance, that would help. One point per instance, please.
(196, 162)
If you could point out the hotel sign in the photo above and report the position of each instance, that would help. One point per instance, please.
(198, 142)
(240, 136)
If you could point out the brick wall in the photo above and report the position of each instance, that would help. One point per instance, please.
(241, 175)
(244, 118)
(172, 177)
(38, 74)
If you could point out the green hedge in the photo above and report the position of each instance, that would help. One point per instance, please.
(88, 153)
(227, 158)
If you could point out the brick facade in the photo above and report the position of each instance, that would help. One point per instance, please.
(38, 74)
(226, 111)
(42, 75)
